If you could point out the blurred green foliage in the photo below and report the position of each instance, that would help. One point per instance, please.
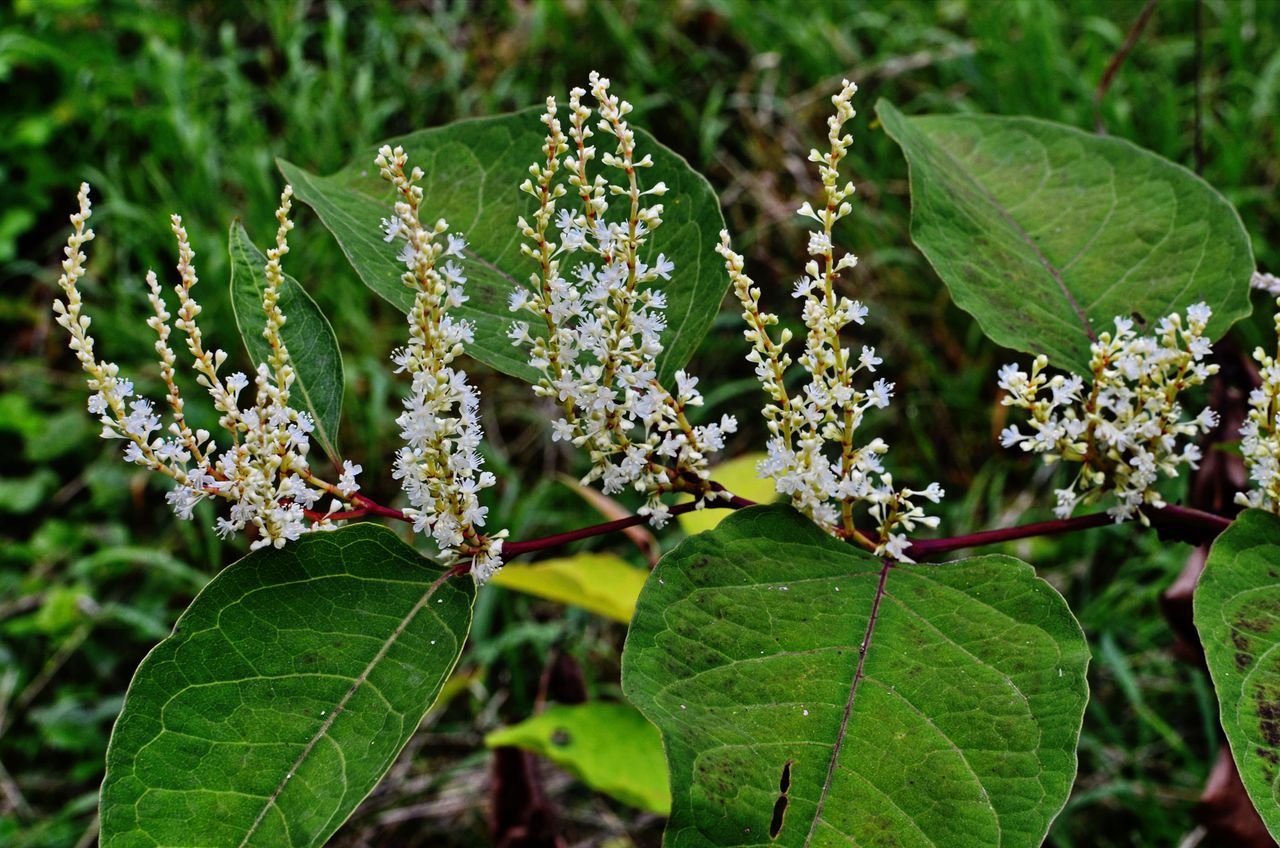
(182, 107)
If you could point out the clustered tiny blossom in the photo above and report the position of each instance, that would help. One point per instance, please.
(1124, 427)
(264, 472)
(599, 314)
(1260, 433)
(813, 455)
(1268, 283)
(439, 467)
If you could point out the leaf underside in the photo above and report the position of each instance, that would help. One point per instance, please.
(473, 172)
(1045, 234)
(313, 347)
(1237, 613)
(284, 694)
(959, 728)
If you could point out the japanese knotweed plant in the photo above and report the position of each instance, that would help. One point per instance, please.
(809, 682)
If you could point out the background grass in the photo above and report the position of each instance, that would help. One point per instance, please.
(182, 107)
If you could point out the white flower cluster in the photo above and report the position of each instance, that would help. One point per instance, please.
(599, 317)
(439, 467)
(264, 472)
(1124, 428)
(813, 456)
(1268, 283)
(1260, 433)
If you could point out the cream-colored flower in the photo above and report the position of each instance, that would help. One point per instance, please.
(439, 466)
(1126, 427)
(263, 472)
(814, 457)
(599, 311)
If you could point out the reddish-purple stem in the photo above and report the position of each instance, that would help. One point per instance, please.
(510, 549)
(1183, 520)
(1178, 521)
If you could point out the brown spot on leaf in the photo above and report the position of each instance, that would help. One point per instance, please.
(1268, 703)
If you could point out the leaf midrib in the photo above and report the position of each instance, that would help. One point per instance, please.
(322, 431)
(341, 705)
(1022, 234)
(863, 650)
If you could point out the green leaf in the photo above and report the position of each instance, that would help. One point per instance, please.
(287, 689)
(605, 584)
(313, 347)
(610, 747)
(1237, 613)
(739, 476)
(957, 726)
(473, 172)
(1045, 233)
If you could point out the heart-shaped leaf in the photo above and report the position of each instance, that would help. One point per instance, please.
(313, 347)
(1237, 613)
(1045, 233)
(810, 694)
(284, 694)
(473, 172)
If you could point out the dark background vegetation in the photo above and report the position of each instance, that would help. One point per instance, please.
(168, 106)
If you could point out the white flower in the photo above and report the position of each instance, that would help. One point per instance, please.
(439, 467)
(1124, 427)
(347, 484)
(603, 329)
(1260, 432)
(263, 473)
(813, 454)
(1268, 283)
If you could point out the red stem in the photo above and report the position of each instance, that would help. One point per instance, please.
(924, 547)
(510, 549)
(1179, 521)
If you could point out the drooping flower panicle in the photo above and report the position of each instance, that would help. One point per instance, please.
(814, 456)
(439, 466)
(599, 313)
(264, 472)
(1126, 428)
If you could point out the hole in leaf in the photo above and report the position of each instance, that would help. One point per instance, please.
(779, 811)
(780, 806)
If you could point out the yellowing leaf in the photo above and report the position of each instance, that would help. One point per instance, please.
(610, 747)
(601, 583)
(738, 476)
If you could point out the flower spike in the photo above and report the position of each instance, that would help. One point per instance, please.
(264, 472)
(439, 466)
(814, 456)
(599, 311)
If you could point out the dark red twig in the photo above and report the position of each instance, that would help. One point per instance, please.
(511, 549)
(925, 547)
(1178, 521)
